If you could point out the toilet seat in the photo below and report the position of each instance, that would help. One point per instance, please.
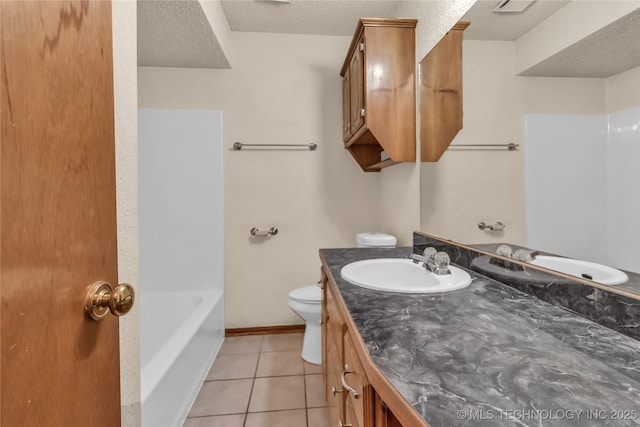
(308, 295)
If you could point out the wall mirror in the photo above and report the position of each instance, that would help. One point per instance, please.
(572, 189)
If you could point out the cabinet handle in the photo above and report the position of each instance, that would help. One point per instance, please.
(343, 425)
(346, 386)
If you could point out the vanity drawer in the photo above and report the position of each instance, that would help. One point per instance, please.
(353, 376)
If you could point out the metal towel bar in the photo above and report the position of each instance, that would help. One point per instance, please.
(510, 147)
(239, 145)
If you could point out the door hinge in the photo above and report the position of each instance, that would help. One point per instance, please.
(361, 47)
(362, 113)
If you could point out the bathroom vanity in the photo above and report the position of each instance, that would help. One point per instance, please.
(488, 354)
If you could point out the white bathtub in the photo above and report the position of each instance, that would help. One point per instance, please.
(181, 333)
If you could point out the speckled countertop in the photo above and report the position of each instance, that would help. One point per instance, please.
(490, 355)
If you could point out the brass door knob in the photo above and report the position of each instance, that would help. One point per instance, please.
(102, 299)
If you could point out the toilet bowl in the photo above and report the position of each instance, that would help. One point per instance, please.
(306, 303)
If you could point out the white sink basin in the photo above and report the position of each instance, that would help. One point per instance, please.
(402, 275)
(583, 269)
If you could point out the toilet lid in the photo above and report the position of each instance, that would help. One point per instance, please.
(308, 294)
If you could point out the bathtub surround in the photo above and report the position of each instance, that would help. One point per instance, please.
(444, 352)
(615, 311)
(181, 257)
(599, 193)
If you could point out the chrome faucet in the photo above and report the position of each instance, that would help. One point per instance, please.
(525, 255)
(434, 261)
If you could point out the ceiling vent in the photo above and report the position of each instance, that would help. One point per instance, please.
(512, 6)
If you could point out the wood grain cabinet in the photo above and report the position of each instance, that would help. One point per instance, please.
(379, 95)
(351, 398)
(441, 95)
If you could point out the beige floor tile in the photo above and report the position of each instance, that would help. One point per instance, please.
(318, 417)
(222, 398)
(282, 342)
(233, 366)
(216, 421)
(280, 363)
(310, 368)
(297, 418)
(277, 393)
(243, 344)
(315, 391)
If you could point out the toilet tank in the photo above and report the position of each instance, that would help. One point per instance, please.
(373, 239)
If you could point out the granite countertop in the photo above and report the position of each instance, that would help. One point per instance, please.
(490, 355)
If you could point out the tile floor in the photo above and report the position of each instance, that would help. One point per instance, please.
(261, 381)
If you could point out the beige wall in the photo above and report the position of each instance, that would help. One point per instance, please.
(623, 91)
(126, 119)
(282, 89)
(466, 187)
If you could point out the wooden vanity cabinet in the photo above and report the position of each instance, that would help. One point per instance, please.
(349, 394)
(333, 327)
(379, 94)
(352, 400)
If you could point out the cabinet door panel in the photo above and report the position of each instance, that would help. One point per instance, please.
(355, 378)
(346, 108)
(334, 388)
(356, 82)
(350, 416)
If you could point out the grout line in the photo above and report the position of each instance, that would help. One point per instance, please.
(216, 415)
(244, 423)
(306, 403)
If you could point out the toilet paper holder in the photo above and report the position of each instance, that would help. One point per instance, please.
(255, 231)
(498, 226)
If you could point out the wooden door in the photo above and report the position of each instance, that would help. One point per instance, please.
(57, 214)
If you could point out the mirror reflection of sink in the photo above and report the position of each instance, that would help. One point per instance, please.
(402, 275)
(583, 269)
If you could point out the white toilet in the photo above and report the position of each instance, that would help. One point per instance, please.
(307, 302)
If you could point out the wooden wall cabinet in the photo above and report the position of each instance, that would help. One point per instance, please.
(378, 93)
(441, 95)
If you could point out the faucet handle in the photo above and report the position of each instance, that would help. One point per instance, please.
(429, 257)
(442, 261)
(429, 252)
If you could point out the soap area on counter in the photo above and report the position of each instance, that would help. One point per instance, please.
(497, 352)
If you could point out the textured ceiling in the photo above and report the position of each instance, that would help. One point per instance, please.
(176, 33)
(489, 25)
(607, 52)
(328, 17)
